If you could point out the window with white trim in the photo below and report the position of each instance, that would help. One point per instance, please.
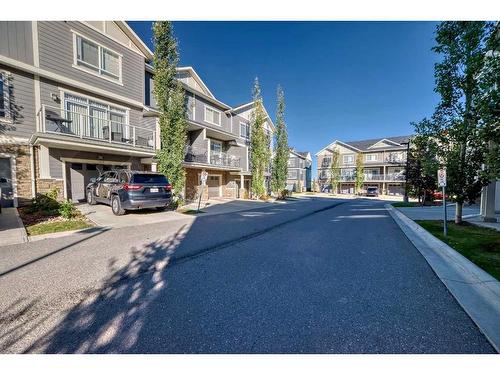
(212, 116)
(94, 118)
(4, 96)
(292, 174)
(371, 157)
(97, 59)
(244, 130)
(348, 159)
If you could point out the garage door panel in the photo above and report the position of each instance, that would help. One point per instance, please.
(213, 183)
(7, 198)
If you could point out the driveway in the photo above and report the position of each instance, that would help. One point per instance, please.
(317, 276)
(103, 216)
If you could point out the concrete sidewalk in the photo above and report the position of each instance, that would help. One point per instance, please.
(11, 227)
(474, 289)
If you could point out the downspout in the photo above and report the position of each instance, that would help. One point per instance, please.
(32, 172)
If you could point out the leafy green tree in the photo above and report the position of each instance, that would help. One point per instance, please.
(422, 167)
(335, 171)
(279, 171)
(359, 171)
(455, 126)
(259, 144)
(488, 105)
(170, 99)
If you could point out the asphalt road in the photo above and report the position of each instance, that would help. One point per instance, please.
(310, 277)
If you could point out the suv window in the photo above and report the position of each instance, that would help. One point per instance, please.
(110, 177)
(148, 178)
(123, 177)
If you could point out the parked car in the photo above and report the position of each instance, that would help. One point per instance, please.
(438, 195)
(130, 190)
(371, 192)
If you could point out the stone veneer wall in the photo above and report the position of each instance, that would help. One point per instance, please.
(229, 184)
(23, 170)
(44, 185)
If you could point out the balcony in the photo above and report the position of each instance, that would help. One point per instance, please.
(390, 177)
(55, 120)
(219, 159)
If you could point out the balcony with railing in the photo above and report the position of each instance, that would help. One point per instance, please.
(112, 130)
(219, 159)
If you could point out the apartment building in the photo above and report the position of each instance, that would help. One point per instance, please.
(218, 139)
(383, 159)
(71, 106)
(299, 171)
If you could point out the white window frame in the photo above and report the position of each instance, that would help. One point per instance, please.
(346, 157)
(62, 95)
(100, 48)
(7, 117)
(371, 157)
(247, 126)
(213, 110)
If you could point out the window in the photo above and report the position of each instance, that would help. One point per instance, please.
(94, 118)
(212, 116)
(348, 159)
(371, 157)
(245, 130)
(97, 59)
(292, 174)
(4, 96)
(215, 147)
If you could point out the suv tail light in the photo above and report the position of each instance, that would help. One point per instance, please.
(168, 187)
(132, 187)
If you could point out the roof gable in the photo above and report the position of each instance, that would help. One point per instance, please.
(188, 76)
(384, 143)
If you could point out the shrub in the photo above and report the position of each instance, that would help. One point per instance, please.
(46, 203)
(67, 210)
(285, 193)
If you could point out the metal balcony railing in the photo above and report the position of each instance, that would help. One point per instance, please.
(193, 155)
(79, 125)
(224, 160)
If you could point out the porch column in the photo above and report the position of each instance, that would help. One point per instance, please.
(488, 203)
(242, 186)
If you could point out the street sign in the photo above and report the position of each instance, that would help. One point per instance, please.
(204, 176)
(442, 177)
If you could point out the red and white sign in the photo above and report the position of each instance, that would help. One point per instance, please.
(442, 177)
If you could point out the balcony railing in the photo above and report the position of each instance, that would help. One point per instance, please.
(221, 159)
(60, 121)
(390, 177)
(224, 160)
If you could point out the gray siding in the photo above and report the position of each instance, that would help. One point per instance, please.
(197, 142)
(240, 152)
(16, 40)
(200, 115)
(56, 54)
(23, 123)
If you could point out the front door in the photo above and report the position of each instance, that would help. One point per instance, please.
(213, 184)
(7, 197)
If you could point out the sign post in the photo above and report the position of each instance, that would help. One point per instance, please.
(204, 176)
(442, 184)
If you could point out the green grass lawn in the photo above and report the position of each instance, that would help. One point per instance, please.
(56, 226)
(480, 245)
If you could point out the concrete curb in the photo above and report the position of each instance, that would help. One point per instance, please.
(47, 236)
(474, 289)
(21, 226)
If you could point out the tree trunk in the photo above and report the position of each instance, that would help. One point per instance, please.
(458, 212)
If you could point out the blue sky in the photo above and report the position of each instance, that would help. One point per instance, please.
(342, 80)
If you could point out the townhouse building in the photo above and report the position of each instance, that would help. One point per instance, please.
(76, 99)
(72, 105)
(218, 140)
(299, 171)
(383, 160)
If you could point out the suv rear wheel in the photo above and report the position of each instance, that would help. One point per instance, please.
(116, 206)
(90, 197)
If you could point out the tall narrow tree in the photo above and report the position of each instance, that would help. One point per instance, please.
(455, 125)
(335, 171)
(169, 96)
(259, 144)
(359, 177)
(279, 171)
